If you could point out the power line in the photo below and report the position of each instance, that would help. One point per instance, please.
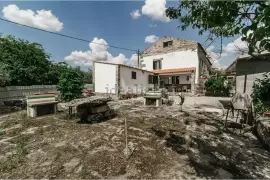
(71, 37)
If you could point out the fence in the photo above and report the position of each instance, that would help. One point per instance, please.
(20, 92)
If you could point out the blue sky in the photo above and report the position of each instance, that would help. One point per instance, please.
(107, 21)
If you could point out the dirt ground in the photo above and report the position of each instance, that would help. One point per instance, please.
(166, 144)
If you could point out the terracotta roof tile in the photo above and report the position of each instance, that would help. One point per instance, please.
(167, 71)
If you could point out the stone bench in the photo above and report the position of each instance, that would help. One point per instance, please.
(41, 104)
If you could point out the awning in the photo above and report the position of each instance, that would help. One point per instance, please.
(178, 70)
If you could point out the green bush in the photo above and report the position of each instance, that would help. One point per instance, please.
(261, 89)
(218, 85)
(261, 94)
(71, 84)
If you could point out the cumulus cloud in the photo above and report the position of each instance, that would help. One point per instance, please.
(155, 9)
(135, 14)
(235, 48)
(98, 52)
(43, 19)
(151, 39)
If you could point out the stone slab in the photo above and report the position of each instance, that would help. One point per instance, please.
(90, 101)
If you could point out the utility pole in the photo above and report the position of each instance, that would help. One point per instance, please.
(138, 54)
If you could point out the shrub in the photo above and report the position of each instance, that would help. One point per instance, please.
(261, 89)
(71, 84)
(218, 85)
(261, 94)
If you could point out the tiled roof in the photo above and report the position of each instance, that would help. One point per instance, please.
(178, 70)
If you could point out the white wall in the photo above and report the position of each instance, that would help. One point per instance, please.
(105, 78)
(180, 59)
(133, 85)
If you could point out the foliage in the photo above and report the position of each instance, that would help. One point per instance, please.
(261, 94)
(218, 84)
(261, 89)
(260, 108)
(250, 19)
(71, 84)
(23, 63)
(4, 75)
(26, 63)
(87, 76)
(55, 71)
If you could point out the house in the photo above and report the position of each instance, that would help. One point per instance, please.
(247, 69)
(178, 64)
(115, 79)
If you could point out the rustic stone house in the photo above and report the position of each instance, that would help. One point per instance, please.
(178, 64)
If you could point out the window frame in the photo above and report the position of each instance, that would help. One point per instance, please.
(132, 75)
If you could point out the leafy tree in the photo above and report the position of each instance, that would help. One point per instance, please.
(26, 63)
(261, 89)
(218, 84)
(71, 84)
(219, 19)
(87, 77)
(4, 75)
(55, 71)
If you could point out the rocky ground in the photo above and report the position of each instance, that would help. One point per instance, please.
(166, 143)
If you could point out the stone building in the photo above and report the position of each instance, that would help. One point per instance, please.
(178, 64)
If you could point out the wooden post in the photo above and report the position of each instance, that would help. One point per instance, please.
(245, 83)
(126, 134)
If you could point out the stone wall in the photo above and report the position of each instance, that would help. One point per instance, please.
(177, 45)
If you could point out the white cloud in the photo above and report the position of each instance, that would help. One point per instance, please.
(235, 48)
(151, 39)
(97, 52)
(135, 14)
(155, 9)
(42, 19)
(214, 57)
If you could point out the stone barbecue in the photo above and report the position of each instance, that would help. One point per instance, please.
(153, 98)
(93, 109)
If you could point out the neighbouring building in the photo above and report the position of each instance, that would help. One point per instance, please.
(119, 78)
(178, 64)
(247, 69)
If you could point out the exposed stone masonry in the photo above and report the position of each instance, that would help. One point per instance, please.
(178, 45)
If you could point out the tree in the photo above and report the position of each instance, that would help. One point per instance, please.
(87, 77)
(71, 84)
(219, 19)
(218, 84)
(55, 71)
(26, 63)
(261, 89)
(4, 75)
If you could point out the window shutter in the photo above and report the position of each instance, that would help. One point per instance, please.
(160, 67)
(155, 79)
(154, 65)
(150, 79)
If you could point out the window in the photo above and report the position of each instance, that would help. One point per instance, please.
(187, 78)
(167, 44)
(175, 79)
(152, 79)
(133, 75)
(157, 64)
